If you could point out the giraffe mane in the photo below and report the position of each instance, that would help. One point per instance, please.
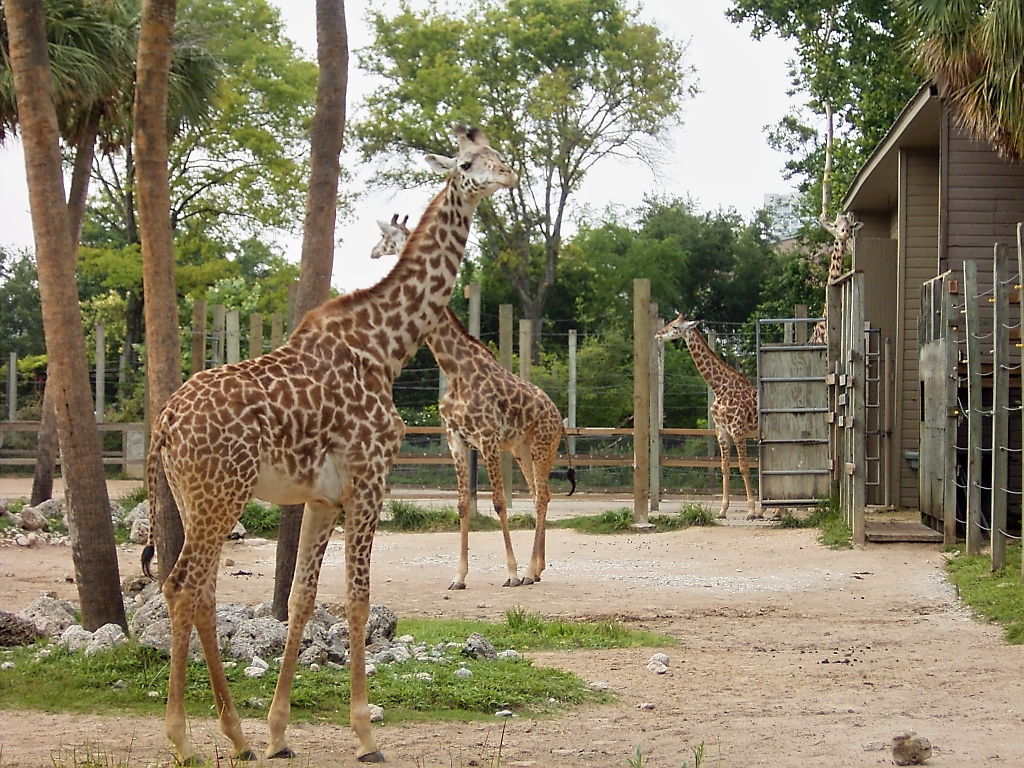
(461, 330)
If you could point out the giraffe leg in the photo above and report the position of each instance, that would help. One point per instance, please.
(318, 520)
(460, 454)
(741, 451)
(492, 457)
(723, 445)
(536, 469)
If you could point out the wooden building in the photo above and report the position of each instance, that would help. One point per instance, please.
(929, 198)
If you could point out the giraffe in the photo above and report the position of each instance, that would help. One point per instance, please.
(842, 229)
(734, 409)
(311, 422)
(488, 408)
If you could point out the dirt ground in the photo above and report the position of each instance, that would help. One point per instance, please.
(788, 655)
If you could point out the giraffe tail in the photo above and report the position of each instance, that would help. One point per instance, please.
(154, 468)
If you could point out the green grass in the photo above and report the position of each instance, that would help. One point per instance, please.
(408, 516)
(997, 597)
(833, 532)
(131, 499)
(621, 521)
(261, 520)
(120, 681)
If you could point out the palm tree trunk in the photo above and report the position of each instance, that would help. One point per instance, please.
(46, 452)
(163, 345)
(92, 534)
(318, 230)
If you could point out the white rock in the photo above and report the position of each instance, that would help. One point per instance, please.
(258, 662)
(511, 655)
(645, 705)
(376, 713)
(153, 694)
(659, 657)
(503, 713)
(7, 665)
(406, 639)
(255, 671)
(657, 667)
(371, 670)
(599, 685)
(463, 672)
(426, 676)
(75, 638)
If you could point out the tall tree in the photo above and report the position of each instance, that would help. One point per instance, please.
(317, 263)
(976, 50)
(92, 538)
(163, 345)
(561, 85)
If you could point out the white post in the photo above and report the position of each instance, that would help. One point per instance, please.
(100, 370)
(232, 352)
(572, 389)
(525, 348)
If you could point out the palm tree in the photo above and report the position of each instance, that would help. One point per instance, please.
(92, 536)
(975, 50)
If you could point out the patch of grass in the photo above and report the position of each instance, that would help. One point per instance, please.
(531, 632)
(621, 521)
(833, 532)
(121, 681)
(407, 516)
(997, 597)
(261, 519)
(17, 505)
(129, 500)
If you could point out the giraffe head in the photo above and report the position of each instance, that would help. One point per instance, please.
(843, 227)
(678, 328)
(394, 233)
(477, 171)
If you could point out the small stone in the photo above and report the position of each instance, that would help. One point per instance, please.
(229, 563)
(154, 694)
(119, 685)
(255, 671)
(464, 673)
(646, 705)
(69, 578)
(657, 667)
(371, 670)
(599, 685)
(43, 653)
(314, 667)
(406, 639)
(425, 676)
(511, 655)
(258, 662)
(661, 658)
(503, 713)
(910, 749)
(376, 713)
(21, 540)
(256, 702)
(7, 665)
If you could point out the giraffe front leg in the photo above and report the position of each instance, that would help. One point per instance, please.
(318, 520)
(492, 457)
(724, 449)
(460, 455)
(536, 475)
(753, 513)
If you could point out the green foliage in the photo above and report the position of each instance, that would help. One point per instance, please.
(833, 531)
(621, 521)
(261, 519)
(408, 516)
(995, 596)
(21, 316)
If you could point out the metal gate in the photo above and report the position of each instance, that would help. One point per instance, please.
(793, 467)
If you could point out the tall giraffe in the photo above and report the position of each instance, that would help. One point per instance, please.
(311, 422)
(488, 408)
(734, 409)
(842, 230)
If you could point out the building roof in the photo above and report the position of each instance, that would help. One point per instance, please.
(876, 185)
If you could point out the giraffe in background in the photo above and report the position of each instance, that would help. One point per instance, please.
(488, 408)
(312, 422)
(842, 229)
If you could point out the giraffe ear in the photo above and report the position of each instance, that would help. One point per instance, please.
(857, 225)
(440, 163)
(385, 227)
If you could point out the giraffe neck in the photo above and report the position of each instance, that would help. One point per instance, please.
(835, 266)
(452, 346)
(719, 376)
(391, 319)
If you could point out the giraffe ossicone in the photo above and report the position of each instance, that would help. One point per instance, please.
(734, 410)
(488, 408)
(311, 422)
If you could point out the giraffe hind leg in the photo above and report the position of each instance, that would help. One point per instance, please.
(753, 513)
(725, 450)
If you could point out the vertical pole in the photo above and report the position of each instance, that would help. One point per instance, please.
(571, 416)
(655, 428)
(12, 386)
(857, 430)
(525, 348)
(1020, 294)
(1000, 403)
(232, 353)
(255, 335)
(800, 312)
(101, 373)
(217, 331)
(290, 307)
(887, 394)
(276, 330)
(505, 359)
(641, 400)
(473, 295)
(950, 323)
(442, 388)
(198, 336)
(975, 449)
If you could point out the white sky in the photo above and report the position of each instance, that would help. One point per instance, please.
(719, 156)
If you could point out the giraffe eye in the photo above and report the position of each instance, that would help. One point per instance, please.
(466, 165)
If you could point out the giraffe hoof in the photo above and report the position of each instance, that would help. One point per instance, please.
(286, 753)
(527, 581)
(512, 583)
(245, 755)
(372, 757)
(457, 585)
(755, 517)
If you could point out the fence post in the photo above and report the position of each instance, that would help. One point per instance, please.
(276, 330)
(255, 335)
(473, 295)
(975, 450)
(525, 348)
(1000, 402)
(1020, 298)
(231, 337)
(198, 336)
(505, 359)
(641, 400)
(290, 306)
(571, 416)
(217, 331)
(12, 386)
(101, 378)
(800, 331)
(655, 429)
(949, 330)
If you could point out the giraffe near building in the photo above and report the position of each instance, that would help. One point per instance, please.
(488, 408)
(311, 422)
(842, 230)
(734, 410)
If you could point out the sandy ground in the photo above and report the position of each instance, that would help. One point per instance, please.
(788, 654)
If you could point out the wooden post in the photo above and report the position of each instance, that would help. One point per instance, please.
(101, 373)
(290, 307)
(198, 336)
(975, 449)
(505, 358)
(800, 311)
(571, 416)
(856, 435)
(1020, 294)
(950, 321)
(1000, 402)
(472, 293)
(889, 395)
(276, 330)
(525, 348)
(12, 386)
(232, 353)
(217, 331)
(655, 430)
(641, 400)
(255, 335)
